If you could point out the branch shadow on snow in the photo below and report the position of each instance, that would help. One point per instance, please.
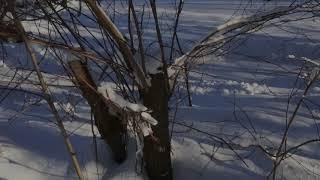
(242, 97)
(261, 59)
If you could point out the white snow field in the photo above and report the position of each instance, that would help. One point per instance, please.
(241, 97)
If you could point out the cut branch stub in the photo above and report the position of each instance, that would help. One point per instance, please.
(112, 128)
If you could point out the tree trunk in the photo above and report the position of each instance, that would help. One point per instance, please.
(111, 128)
(157, 148)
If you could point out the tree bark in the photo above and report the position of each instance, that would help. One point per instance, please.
(157, 147)
(112, 128)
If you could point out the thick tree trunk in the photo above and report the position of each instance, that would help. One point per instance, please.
(157, 148)
(111, 128)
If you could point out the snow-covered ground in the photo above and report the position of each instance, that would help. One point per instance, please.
(241, 97)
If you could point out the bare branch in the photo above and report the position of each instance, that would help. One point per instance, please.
(50, 101)
(109, 27)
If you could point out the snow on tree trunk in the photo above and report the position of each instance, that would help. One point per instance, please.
(157, 148)
(111, 127)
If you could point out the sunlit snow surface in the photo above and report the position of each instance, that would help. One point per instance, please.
(241, 97)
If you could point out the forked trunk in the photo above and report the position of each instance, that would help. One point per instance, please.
(111, 128)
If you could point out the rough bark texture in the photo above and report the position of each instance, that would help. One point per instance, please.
(157, 147)
(111, 128)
